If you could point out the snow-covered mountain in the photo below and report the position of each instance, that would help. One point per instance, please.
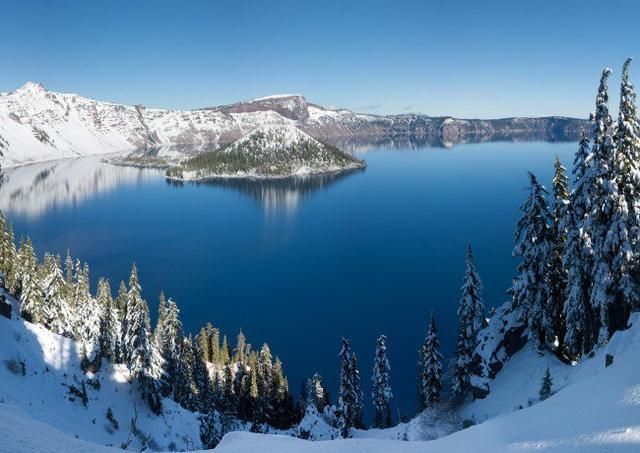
(272, 150)
(37, 124)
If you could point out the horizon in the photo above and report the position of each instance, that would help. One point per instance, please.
(435, 59)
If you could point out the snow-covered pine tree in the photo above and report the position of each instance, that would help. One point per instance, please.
(210, 429)
(201, 378)
(225, 356)
(470, 318)
(472, 292)
(241, 349)
(546, 388)
(358, 420)
(381, 390)
(228, 393)
(31, 302)
(162, 309)
(316, 393)
(10, 254)
(578, 259)
(531, 291)
(168, 338)
(622, 243)
(214, 344)
(282, 402)
(348, 394)
(110, 329)
(7, 250)
(264, 404)
(553, 321)
(60, 318)
(599, 222)
(184, 391)
(430, 368)
(89, 320)
(139, 352)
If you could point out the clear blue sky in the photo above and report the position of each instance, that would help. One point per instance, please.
(464, 58)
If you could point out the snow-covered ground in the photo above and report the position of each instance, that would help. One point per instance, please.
(595, 408)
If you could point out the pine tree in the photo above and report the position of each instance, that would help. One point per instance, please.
(31, 304)
(317, 393)
(430, 368)
(470, 314)
(600, 220)
(546, 386)
(228, 393)
(621, 245)
(59, 319)
(168, 340)
(201, 378)
(553, 321)
(224, 351)
(578, 257)
(348, 396)
(211, 430)
(531, 291)
(214, 345)
(358, 419)
(281, 401)
(7, 251)
(139, 353)
(110, 330)
(381, 393)
(264, 407)
(185, 392)
(241, 349)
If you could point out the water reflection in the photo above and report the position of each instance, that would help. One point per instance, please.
(357, 144)
(32, 190)
(278, 194)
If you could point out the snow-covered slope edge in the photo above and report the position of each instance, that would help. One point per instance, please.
(595, 409)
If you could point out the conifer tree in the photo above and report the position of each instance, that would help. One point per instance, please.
(31, 303)
(185, 392)
(264, 407)
(546, 386)
(241, 349)
(430, 368)
(553, 321)
(205, 343)
(59, 317)
(470, 314)
(7, 251)
(228, 393)
(201, 378)
(381, 393)
(358, 419)
(601, 194)
(168, 340)
(531, 291)
(224, 351)
(139, 352)
(281, 401)
(210, 430)
(214, 345)
(578, 257)
(348, 396)
(317, 393)
(110, 330)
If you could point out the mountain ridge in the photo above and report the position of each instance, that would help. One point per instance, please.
(38, 125)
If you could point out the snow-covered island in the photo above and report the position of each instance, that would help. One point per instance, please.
(269, 151)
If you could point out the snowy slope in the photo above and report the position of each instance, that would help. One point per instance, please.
(595, 409)
(35, 368)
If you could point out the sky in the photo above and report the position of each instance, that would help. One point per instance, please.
(471, 59)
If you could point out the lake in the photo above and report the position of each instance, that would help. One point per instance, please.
(299, 263)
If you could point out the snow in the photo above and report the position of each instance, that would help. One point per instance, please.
(40, 398)
(594, 409)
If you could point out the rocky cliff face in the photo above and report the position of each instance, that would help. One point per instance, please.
(37, 124)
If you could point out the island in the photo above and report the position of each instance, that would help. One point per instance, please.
(269, 151)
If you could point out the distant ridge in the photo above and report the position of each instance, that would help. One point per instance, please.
(38, 125)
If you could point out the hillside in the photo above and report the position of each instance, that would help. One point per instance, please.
(37, 124)
(594, 408)
(268, 151)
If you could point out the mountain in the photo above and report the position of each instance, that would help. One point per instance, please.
(37, 124)
(273, 150)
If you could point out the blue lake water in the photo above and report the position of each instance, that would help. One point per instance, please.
(299, 263)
